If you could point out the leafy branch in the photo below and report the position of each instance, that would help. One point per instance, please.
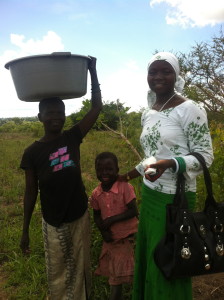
(121, 134)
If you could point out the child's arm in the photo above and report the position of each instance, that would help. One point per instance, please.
(106, 233)
(97, 218)
(30, 197)
(131, 212)
(90, 118)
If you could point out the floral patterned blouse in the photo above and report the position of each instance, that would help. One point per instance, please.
(175, 132)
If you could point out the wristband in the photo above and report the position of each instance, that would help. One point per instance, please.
(177, 166)
(182, 165)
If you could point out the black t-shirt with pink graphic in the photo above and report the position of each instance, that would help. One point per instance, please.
(57, 166)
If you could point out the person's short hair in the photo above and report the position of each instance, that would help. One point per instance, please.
(106, 155)
(45, 102)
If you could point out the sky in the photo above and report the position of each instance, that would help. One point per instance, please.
(121, 34)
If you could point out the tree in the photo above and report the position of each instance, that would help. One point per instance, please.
(203, 71)
(113, 112)
(116, 119)
(77, 116)
(109, 114)
(125, 121)
(9, 126)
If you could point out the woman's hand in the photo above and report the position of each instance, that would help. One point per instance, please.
(129, 175)
(160, 166)
(122, 177)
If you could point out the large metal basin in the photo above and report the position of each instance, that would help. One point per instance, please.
(60, 74)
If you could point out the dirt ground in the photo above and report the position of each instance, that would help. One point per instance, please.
(2, 282)
(209, 287)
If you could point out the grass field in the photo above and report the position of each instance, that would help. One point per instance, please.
(24, 277)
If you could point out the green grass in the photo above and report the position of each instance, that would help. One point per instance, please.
(25, 275)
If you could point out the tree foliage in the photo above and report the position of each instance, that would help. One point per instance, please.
(77, 116)
(109, 115)
(17, 120)
(203, 71)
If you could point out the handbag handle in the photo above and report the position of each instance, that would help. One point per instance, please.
(180, 198)
(210, 200)
(207, 177)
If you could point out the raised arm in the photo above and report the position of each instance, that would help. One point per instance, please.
(30, 197)
(90, 118)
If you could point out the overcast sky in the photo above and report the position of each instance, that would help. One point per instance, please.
(121, 34)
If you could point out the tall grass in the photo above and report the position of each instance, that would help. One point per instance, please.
(26, 277)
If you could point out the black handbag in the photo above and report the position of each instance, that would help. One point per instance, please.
(194, 241)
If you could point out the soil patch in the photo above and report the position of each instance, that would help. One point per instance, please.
(209, 287)
(3, 279)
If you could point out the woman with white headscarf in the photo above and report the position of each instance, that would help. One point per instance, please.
(173, 126)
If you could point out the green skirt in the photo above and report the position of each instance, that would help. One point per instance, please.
(149, 283)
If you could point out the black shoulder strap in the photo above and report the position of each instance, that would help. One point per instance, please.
(180, 198)
(207, 178)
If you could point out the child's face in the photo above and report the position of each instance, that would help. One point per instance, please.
(53, 117)
(106, 171)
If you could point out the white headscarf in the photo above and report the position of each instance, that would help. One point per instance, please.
(173, 61)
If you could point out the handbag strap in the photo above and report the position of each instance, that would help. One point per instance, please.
(180, 199)
(207, 177)
(210, 200)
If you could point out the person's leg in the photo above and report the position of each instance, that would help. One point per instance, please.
(120, 266)
(149, 282)
(116, 292)
(81, 241)
(67, 259)
(54, 244)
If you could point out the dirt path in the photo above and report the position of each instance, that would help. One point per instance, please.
(209, 287)
(3, 278)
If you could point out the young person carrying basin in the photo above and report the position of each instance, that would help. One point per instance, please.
(52, 166)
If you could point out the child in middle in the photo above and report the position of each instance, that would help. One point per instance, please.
(115, 214)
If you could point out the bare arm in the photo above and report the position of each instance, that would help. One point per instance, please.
(90, 118)
(129, 175)
(97, 218)
(106, 233)
(30, 197)
(131, 212)
(160, 166)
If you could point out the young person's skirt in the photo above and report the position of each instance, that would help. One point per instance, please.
(117, 261)
(149, 282)
(67, 255)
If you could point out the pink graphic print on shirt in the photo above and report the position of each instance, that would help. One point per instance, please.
(60, 159)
